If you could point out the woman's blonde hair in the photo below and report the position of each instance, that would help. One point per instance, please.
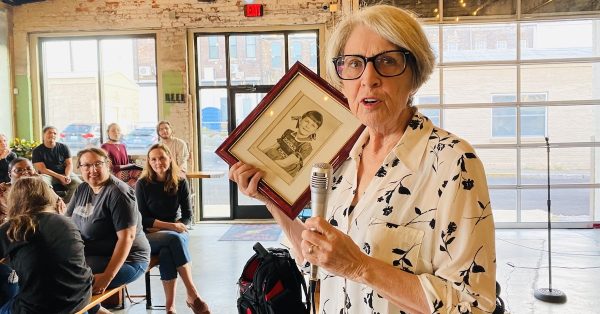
(28, 197)
(150, 176)
(397, 26)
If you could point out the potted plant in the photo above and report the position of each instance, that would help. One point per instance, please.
(23, 147)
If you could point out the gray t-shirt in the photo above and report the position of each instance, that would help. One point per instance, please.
(100, 216)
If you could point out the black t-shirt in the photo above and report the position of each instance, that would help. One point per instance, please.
(53, 275)
(4, 166)
(54, 158)
(154, 203)
(100, 216)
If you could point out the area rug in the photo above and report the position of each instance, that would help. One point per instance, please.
(252, 232)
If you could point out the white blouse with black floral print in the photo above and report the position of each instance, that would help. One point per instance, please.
(426, 212)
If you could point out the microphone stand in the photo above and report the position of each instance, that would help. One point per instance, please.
(549, 294)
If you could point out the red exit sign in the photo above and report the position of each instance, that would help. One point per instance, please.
(253, 10)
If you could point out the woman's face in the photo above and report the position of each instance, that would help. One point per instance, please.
(114, 133)
(94, 169)
(307, 126)
(20, 170)
(378, 102)
(3, 143)
(159, 161)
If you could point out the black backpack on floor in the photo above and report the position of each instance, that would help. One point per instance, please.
(271, 284)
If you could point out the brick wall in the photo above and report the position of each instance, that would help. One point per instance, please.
(170, 19)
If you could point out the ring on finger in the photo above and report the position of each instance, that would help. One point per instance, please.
(311, 249)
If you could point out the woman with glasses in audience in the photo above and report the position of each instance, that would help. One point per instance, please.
(17, 168)
(6, 156)
(117, 153)
(163, 198)
(409, 224)
(46, 251)
(104, 210)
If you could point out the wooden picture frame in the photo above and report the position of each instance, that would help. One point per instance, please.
(301, 120)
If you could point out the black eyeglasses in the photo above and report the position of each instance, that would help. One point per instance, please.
(388, 64)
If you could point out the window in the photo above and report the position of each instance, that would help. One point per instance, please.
(5, 95)
(533, 119)
(250, 47)
(276, 55)
(213, 48)
(92, 82)
(296, 52)
(489, 65)
(233, 47)
(504, 122)
(313, 56)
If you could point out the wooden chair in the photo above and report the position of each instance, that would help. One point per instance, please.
(96, 299)
(154, 261)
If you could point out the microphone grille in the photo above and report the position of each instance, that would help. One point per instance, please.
(320, 176)
(322, 165)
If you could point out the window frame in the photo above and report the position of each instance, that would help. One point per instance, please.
(37, 77)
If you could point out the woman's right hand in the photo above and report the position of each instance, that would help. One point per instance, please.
(247, 178)
(178, 227)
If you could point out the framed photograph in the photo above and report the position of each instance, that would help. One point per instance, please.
(301, 121)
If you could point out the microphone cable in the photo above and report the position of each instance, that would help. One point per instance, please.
(312, 288)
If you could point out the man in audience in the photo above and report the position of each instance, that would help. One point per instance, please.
(179, 148)
(53, 161)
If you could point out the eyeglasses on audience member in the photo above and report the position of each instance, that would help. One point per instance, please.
(96, 165)
(21, 171)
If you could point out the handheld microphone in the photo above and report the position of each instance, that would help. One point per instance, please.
(320, 184)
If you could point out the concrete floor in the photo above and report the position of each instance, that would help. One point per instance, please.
(522, 267)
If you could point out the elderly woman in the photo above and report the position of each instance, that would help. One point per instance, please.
(409, 224)
(164, 200)
(104, 210)
(6, 156)
(117, 152)
(46, 251)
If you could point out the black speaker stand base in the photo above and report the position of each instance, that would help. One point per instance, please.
(550, 295)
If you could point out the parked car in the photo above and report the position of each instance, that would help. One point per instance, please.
(80, 135)
(139, 140)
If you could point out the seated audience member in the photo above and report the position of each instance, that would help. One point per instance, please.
(53, 161)
(6, 156)
(178, 147)
(46, 251)
(163, 199)
(17, 168)
(117, 152)
(104, 210)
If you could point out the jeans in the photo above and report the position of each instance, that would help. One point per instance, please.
(129, 272)
(9, 285)
(7, 307)
(172, 250)
(69, 188)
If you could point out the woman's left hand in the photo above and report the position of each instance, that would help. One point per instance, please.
(101, 282)
(327, 247)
